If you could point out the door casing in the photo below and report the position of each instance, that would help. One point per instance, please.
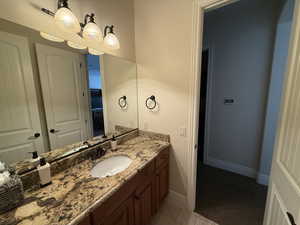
(199, 8)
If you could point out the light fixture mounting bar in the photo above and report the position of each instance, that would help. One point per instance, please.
(47, 11)
(108, 29)
(88, 18)
(62, 4)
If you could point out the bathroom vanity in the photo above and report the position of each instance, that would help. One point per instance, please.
(130, 197)
(138, 199)
(71, 107)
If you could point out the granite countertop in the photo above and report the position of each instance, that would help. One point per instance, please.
(74, 193)
(26, 165)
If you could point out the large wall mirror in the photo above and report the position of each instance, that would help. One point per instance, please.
(54, 98)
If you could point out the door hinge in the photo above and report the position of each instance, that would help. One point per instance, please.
(80, 64)
(82, 93)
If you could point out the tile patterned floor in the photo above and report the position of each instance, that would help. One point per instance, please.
(169, 214)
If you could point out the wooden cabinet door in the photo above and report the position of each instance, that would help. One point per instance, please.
(124, 215)
(162, 183)
(144, 204)
(85, 221)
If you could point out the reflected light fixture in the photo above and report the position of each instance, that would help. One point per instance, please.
(93, 51)
(51, 37)
(65, 19)
(75, 45)
(110, 39)
(90, 29)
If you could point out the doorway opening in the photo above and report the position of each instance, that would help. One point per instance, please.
(95, 92)
(243, 65)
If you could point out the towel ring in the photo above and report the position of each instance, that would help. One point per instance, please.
(123, 102)
(151, 98)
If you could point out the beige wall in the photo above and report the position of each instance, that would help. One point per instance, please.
(163, 53)
(119, 79)
(118, 13)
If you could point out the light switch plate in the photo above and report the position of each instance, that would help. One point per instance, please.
(182, 131)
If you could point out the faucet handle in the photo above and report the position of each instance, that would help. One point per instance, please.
(98, 152)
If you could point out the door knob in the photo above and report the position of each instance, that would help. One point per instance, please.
(291, 218)
(34, 136)
(53, 131)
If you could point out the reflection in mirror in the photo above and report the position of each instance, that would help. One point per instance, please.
(56, 100)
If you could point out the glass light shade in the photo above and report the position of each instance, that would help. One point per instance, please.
(51, 37)
(75, 45)
(92, 32)
(112, 41)
(93, 51)
(67, 21)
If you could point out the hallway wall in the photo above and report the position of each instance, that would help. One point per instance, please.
(283, 34)
(241, 40)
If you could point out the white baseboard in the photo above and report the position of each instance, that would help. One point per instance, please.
(232, 167)
(263, 179)
(177, 199)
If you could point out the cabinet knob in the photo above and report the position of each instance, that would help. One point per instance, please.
(53, 131)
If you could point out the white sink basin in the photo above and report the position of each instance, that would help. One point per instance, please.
(111, 166)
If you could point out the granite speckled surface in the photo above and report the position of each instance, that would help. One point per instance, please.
(26, 165)
(74, 193)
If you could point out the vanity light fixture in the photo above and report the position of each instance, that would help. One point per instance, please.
(93, 51)
(110, 39)
(51, 37)
(75, 45)
(65, 19)
(90, 29)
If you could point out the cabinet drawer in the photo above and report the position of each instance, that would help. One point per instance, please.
(114, 202)
(85, 221)
(162, 158)
(148, 170)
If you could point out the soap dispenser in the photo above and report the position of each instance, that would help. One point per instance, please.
(44, 172)
(114, 143)
(35, 158)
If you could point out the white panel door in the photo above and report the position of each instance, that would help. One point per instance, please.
(62, 89)
(283, 205)
(20, 129)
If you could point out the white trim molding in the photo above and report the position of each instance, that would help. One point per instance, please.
(199, 7)
(262, 179)
(232, 167)
(177, 199)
